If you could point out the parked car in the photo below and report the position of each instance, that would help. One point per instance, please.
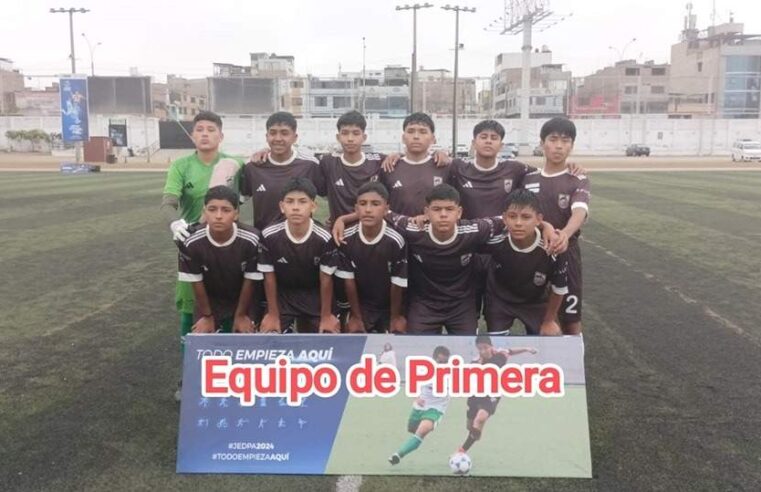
(746, 150)
(538, 151)
(512, 147)
(462, 151)
(637, 150)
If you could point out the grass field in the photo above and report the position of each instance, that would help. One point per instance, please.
(89, 357)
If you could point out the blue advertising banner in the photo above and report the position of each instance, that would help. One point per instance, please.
(384, 404)
(74, 114)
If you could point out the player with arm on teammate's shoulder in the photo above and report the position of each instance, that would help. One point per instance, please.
(523, 282)
(564, 201)
(219, 260)
(297, 258)
(373, 264)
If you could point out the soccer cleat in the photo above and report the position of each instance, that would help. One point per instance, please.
(394, 459)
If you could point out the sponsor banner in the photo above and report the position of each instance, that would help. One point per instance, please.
(384, 404)
(74, 114)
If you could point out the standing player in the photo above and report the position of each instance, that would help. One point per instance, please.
(480, 408)
(427, 411)
(373, 264)
(187, 181)
(219, 260)
(297, 258)
(265, 181)
(523, 282)
(415, 175)
(564, 202)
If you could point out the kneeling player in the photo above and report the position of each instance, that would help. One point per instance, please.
(480, 408)
(297, 258)
(427, 410)
(522, 281)
(219, 259)
(373, 264)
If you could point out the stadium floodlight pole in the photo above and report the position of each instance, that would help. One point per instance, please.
(92, 49)
(622, 50)
(71, 11)
(457, 9)
(413, 73)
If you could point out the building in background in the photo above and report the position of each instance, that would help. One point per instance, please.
(715, 72)
(46, 102)
(435, 94)
(11, 80)
(549, 86)
(628, 87)
(185, 98)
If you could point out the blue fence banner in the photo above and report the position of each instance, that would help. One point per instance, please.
(384, 405)
(74, 113)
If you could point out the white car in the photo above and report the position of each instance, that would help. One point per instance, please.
(746, 150)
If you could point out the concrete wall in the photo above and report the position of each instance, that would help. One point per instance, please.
(595, 136)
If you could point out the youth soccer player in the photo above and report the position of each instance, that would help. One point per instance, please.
(427, 411)
(523, 282)
(440, 263)
(373, 265)
(564, 201)
(415, 175)
(265, 181)
(297, 258)
(481, 408)
(187, 181)
(219, 261)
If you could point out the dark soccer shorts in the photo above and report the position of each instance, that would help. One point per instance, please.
(376, 321)
(570, 310)
(476, 403)
(459, 319)
(500, 316)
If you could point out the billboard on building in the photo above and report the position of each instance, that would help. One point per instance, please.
(243, 95)
(120, 95)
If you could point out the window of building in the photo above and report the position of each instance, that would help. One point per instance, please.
(297, 101)
(297, 84)
(631, 71)
(540, 101)
(193, 99)
(657, 89)
(630, 89)
(659, 71)
(341, 102)
(700, 66)
(321, 101)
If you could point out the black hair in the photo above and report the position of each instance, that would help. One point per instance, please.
(483, 339)
(419, 118)
(441, 350)
(208, 116)
(301, 184)
(491, 125)
(373, 187)
(523, 198)
(222, 192)
(443, 192)
(282, 118)
(352, 118)
(560, 125)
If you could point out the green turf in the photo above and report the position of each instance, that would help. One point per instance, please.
(559, 447)
(89, 357)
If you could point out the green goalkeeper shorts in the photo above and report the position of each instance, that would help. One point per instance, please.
(183, 297)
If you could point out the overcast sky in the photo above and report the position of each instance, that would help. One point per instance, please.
(160, 37)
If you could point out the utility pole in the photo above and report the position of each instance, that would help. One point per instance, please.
(457, 9)
(413, 74)
(71, 11)
(364, 81)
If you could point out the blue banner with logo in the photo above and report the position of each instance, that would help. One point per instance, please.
(358, 404)
(74, 113)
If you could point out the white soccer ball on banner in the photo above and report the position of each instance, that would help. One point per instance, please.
(460, 463)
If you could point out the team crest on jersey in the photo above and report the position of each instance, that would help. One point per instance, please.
(316, 260)
(539, 279)
(243, 266)
(508, 185)
(563, 200)
(418, 257)
(437, 180)
(373, 179)
(465, 259)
